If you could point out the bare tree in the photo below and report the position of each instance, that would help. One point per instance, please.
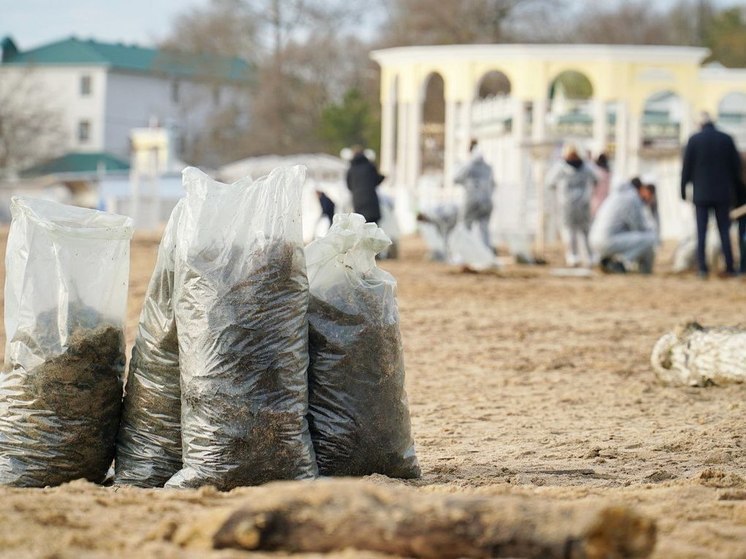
(305, 40)
(288, 106)
(685, 20)
(30, 127)
(434, 22)
(634, 23)
(638, 22)
(222, 27)
(301, 55)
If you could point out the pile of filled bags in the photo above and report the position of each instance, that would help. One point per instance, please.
(256, 358)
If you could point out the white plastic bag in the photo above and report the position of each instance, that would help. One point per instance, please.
(241, 299)
(435, 226)
(467, 248)
(149, 439)
(358, 411)
(65, 300)
(434, 240)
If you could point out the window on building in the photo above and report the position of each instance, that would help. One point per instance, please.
(85, 86)
(175, 91)
(84, 131)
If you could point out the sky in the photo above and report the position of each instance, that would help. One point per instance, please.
(35, 22)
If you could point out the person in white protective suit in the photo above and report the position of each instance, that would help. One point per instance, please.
(649, 199)
(436, 225)
(574, 182)
(479, 185)
(621, 235)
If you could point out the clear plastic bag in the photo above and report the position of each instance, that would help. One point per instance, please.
(466, 247)
(358, 412)
(241, 303)
(65, 300)
(149, 440)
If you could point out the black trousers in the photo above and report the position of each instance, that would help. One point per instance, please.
(723, 221)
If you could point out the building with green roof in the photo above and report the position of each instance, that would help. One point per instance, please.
(101, 91)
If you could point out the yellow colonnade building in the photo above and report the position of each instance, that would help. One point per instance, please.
(639, 104)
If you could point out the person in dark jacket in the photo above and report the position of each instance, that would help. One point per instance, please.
(362, 179)
(713, 166)
(327, 206)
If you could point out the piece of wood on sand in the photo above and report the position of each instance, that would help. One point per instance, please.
(332, 515)
(571, 272)
(693, 355)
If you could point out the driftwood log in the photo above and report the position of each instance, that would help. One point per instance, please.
(698, 356)
(332, 515)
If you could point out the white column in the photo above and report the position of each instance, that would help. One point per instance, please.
(539, 166)
(519, 131)
(449, 157)
(414, 134)
(599, 126)
(400, 168)
(465, 120)
(519, 135)
(539, 119)
(635, 143)
(620, 142)
(387, 137)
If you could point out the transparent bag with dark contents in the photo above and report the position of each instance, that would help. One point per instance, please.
(358, 412)
(149, 440)
(241, 300)
(67, 271)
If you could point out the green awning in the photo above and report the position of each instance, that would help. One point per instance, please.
(87, 164)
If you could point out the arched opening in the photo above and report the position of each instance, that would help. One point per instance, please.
(493, 84)
(731, 117)
(570, 113)
(661, 122)
(572, 85)
(433, 123)
(491, 111)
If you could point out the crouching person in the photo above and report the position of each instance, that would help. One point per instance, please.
(622, 236)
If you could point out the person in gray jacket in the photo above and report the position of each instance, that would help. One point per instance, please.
(574, 182)
(479, 185)
(621, 235)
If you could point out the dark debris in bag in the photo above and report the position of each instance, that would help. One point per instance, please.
(149, 439)
(243, 341)
(58, 421)
(358, 413)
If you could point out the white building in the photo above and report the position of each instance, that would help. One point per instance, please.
(102, 91)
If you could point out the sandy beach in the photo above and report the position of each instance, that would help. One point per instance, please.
(519, 383)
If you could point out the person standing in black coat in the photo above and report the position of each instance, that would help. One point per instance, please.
(362, 179)
(713, 166)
